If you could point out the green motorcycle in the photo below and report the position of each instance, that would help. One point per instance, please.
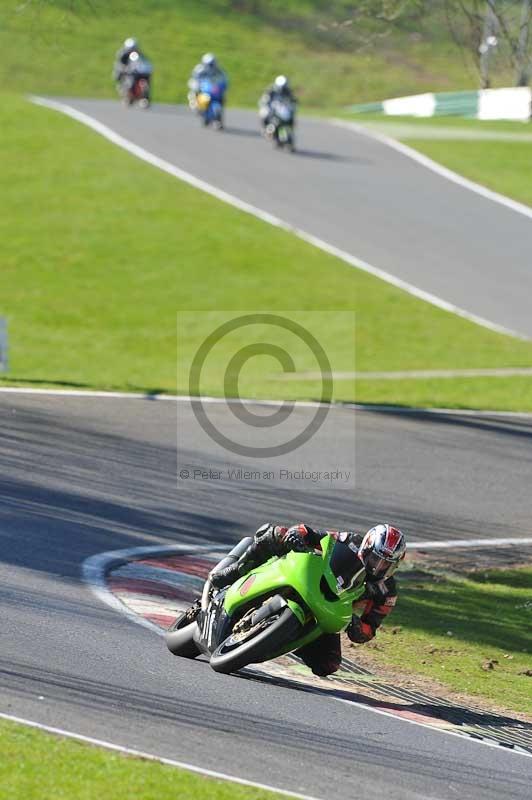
(275, 609)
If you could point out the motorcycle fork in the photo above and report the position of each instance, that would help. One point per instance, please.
(212, 622)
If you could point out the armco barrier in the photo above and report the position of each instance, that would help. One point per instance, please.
(512, 104)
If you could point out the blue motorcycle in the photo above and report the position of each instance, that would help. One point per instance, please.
(209, 102)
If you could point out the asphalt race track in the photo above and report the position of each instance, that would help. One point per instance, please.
(372, 202)
(86, 475)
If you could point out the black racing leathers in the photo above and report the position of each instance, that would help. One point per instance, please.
(323, 655)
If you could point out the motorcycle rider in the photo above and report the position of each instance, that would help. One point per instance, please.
(207, 69)
(131, 45)
(380, 551)
(279, 90)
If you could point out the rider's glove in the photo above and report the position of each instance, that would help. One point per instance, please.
(358, 631)
(296, 538)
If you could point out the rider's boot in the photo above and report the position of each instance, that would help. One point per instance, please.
(251, 557)
(258, 550)
(230, 574)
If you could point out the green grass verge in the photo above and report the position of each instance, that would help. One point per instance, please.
(67, 48)
(101, 251)
(36, 765)
(489, 615)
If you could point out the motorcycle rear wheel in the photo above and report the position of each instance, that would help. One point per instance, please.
(282, 630)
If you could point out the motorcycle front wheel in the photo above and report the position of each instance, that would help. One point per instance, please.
(180, 638)
(270, 639)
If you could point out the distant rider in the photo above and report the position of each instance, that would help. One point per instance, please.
(120, 69)
(380, 551)
(207, 69)
(279, 90)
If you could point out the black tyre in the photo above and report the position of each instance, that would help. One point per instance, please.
(282, 629)
(180, 639)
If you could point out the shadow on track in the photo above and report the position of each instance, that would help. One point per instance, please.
(321, 155)
(82, 476)
(246, 132)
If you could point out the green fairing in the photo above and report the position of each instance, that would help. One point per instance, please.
(303, 572)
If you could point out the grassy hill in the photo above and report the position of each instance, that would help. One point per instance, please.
(66, 47)
(101, 252)
(68, 284)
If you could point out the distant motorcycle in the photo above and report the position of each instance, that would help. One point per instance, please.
(276, 608)
(135, 83)
(209, 102)
(280, 128)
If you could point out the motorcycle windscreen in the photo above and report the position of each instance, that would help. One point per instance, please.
(346, 567)
(283, 111)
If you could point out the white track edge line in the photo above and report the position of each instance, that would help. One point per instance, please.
(265, 216)
(84, 393)
(102, 562)
(208, 773)
(451, 544)
(434, 166)
(465, 412)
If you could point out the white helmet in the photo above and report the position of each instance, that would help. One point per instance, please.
(208, 60)
(131, 43)
(381, 551)
(281, 82)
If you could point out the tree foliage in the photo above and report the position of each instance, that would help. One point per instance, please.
(507, 22)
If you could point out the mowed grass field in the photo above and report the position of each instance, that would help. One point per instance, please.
(35, 765)
(68, 48)
(101, 252)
